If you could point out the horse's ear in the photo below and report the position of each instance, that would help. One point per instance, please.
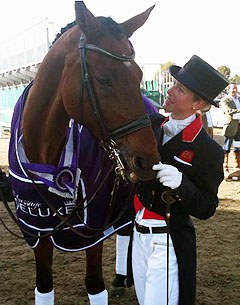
(86, 20)
(131, 25)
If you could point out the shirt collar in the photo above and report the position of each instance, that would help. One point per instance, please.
(191, 131)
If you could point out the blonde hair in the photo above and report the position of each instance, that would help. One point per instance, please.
(206, 106)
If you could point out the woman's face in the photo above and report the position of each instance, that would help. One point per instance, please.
(180, 101)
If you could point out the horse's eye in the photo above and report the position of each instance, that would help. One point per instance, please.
(104, 81)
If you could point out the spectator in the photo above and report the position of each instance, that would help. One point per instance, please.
(231, 130)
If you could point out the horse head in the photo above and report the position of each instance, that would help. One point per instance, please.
(97, 82)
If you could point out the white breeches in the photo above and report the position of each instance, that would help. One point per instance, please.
(122, 243)
(149, 261)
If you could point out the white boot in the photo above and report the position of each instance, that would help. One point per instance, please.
(121, 254)
(99, 299)
(44, 298)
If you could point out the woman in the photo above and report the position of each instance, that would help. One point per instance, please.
(187, 180)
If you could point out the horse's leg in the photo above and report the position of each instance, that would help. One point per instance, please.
(94, 282)
(44, 293)
(122, 241)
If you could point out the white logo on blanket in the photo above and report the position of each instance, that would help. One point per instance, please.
(36, 209)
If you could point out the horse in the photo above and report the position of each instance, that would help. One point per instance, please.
(85, 102)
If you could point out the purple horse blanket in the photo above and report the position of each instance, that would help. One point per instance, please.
(72, 183)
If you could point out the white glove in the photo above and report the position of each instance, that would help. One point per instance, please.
(168, 175)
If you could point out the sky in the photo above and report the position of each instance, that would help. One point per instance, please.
(174, 31)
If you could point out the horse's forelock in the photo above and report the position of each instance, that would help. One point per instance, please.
(114, 28)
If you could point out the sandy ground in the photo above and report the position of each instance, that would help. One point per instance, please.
(218, 273)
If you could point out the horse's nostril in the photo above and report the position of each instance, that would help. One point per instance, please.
(140, 163)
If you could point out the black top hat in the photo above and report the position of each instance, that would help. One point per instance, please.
(201, 78)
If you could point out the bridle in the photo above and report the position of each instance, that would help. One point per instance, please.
(107, 138)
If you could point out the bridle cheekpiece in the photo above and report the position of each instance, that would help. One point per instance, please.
(107, 138)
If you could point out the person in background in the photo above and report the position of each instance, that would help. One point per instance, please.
(187, 181)
(122, 242)
(230, 105)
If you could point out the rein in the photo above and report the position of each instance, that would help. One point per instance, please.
(65, 221)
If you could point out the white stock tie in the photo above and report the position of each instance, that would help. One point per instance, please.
(171, 129)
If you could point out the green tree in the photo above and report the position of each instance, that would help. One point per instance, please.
(235, 79)
(225, 71)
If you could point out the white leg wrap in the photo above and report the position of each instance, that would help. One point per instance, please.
(99, 299)
(121, 254)
(44, 298)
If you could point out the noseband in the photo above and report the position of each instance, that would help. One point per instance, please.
(107, 138)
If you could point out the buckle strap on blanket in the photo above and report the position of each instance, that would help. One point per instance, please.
(148, 230)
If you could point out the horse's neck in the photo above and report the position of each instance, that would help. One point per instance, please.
(44, 135)
(45, 119)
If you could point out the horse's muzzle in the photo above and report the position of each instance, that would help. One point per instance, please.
(141, 169)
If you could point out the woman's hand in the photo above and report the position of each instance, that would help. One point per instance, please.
(168, 175)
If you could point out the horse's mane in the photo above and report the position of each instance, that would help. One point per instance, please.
(63, 30)
(115, 29)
